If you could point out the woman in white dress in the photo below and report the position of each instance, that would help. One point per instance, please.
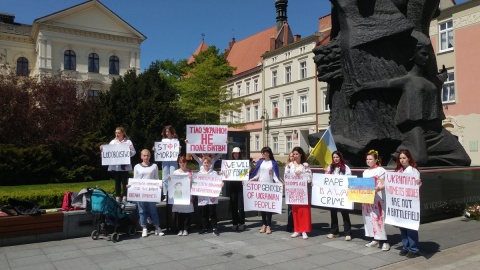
(183, 211)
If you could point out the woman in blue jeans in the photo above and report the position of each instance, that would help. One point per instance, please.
(168, 167)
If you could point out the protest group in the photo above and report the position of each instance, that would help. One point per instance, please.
(386, 197)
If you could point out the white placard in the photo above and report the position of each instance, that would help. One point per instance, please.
(296, 191)
(331, 190)
(235, 170)
(258, 196)
(207, 139)
(167, 150)
(208, 185)
(179, 189)
(116, 154)
(144, 190)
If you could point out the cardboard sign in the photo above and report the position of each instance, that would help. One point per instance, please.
(208, 185)
(167, 150)
(258, 196)
(144, 190)
(116, 154)
(235, 170)
(179, 189)
(207, 139)
(402, 200)
(296, 191)
(331, 190)
(361, 190)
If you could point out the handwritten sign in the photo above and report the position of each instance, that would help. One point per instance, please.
(144, 190)
(207, 139)
(361, 190)
(263, 197)
(235, 170)
(296, 191)
(208, 185)
(402, 200)
(116, 154)
(167, 150)
(331, 190)
(179, 189)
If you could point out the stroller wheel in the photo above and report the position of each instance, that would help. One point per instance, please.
(132, 230)
(115, 237)
(95, 234)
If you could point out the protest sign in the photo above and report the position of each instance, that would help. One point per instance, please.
(208, 185)
(179, 189)
(235, 170)
(207, 139)
(116, 154)
(402, 200)
(361, 190)
(167, 150)
(258, 196)
(331, 190)
(144, 190)
(296, 191)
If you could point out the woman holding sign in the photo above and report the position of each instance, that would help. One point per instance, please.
(374, 214)
(302, 217)
(183, 211)
(168, 167)
(266, 170)
(406, 164)
(208, 205)
(339, 167)
(236, 198)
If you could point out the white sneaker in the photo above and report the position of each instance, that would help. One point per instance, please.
(373, 244)
(124, 199)
(304, 235)
(348, 238)
(159, 232)
(144, 233)
(386, 247)
(295, 234)
(185, 233)
(180, 233)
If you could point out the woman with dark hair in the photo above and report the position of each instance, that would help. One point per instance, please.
(406, 164)
(339, 167)
(236, 198)
(289, 207)
(374, 214)
(266, 170)
(168, 167)
(302, 216)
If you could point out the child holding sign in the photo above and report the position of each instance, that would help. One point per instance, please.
(183, 211)
(208, 205)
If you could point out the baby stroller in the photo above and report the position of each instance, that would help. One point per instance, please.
(109, 216)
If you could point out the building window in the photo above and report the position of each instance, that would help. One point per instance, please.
(257, 142)
(326, 107)
(275, 109)
(303, 104)
(446, 35)
(288, 143)
(274, 78)
(114, 65)
(448, 91)
(247, 114)
(288, 74)
(303, 70)
(275, 144)
(255, 86)
(247, 88)
(22, 66)
(288, 107)
(239, 89)
(93, 93)
(70, 60)
(302, 50)
(255, 112)
(93, 62)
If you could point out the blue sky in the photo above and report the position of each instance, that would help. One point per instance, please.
(174, 27)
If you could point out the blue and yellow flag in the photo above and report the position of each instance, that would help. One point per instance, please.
(324, 148)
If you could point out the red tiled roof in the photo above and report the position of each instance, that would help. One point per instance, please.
(203, 46)
(247, 53)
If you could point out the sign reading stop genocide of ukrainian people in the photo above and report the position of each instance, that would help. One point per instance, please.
(235, 170)
(116, 154)
(402, 200)
(296, 191)
(144, 190)
(361, 190)
(207, 139)
(331, 190)
(258, 196)
(208, 185)
(167, 150)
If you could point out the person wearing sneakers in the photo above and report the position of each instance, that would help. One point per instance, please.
(302, 216)
(147, 170)
(339, 167)
(120, 172)
(266, 170)
(374, 214)
(289, 207)
(184, 211)
(208, 205)
(406, 164)
(236, 198)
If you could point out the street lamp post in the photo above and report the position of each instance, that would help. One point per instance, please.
(265, 118)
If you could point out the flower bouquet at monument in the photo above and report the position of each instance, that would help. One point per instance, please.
(473, 211)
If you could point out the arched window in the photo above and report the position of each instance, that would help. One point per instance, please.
(93, 62)
(114, 65)
(70, 60)
(22, 66)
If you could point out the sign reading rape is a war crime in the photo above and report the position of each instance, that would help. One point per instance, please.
(116, 154)
(402, 200)
(331, 190)
(207, 139)
(235, 170)
(167, 150)
(258, 196)
(296, 191)
(208, 185)
(144, 190)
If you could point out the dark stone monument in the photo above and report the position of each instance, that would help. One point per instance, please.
(384, 86)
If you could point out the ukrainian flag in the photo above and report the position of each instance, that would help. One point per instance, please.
(324, 148)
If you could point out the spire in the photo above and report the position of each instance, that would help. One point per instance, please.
(281, 6)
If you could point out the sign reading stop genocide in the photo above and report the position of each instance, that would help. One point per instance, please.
(258, 196)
